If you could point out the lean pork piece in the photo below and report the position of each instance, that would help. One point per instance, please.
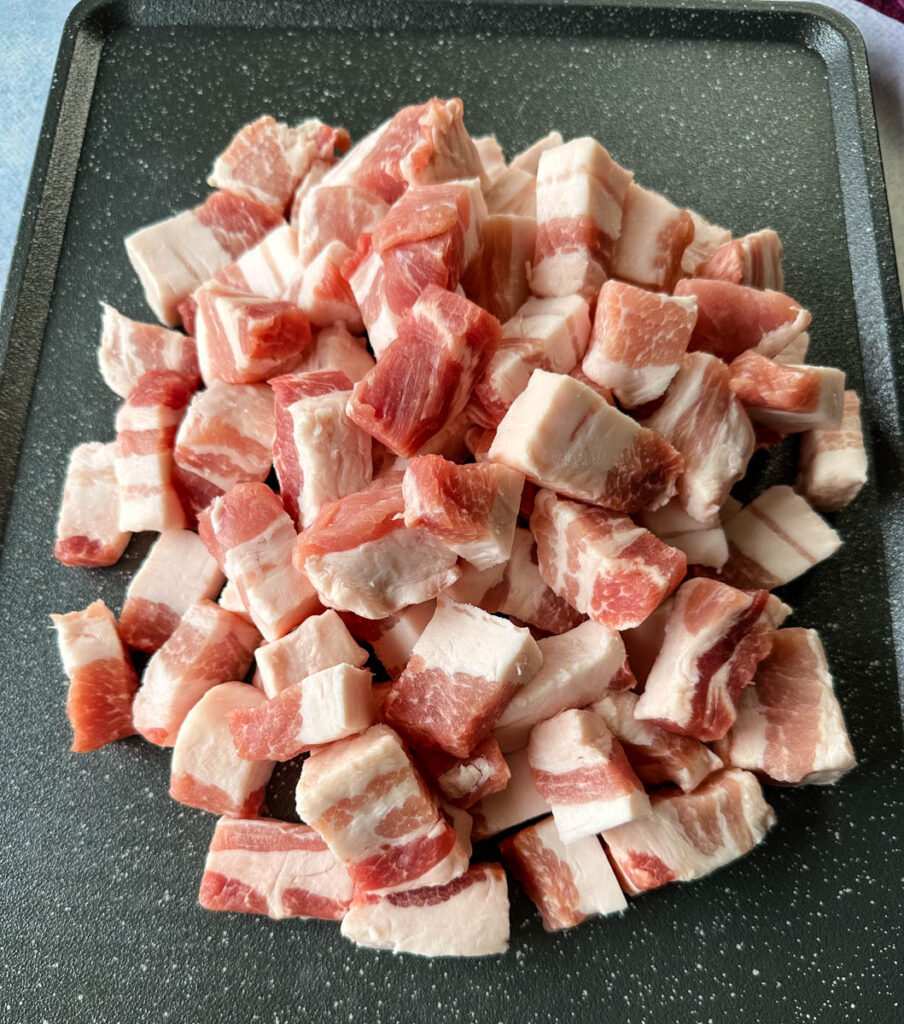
(601, 562)
(335, 348)
(789, 726)
(102, 680)
(87, 529)
(462, 781)
(705, 243)
(225, 438)
(321, 641)
(832, 466)
(496, 279)
(361, 557)
(657, 756)
(146, 426)
(732, 318)
(581, 192)
(465, 667)
(424, 380)
(207, 772)
(177, 572)
(518, 802)
(688, 835)
(492, 158)
(174, 256)
(638, 340)
(472, 509)
(368, 802)
(701, 543)
(209, 646)
(276, 868)
(129, 349)
(318, 453)
(252, 538)
(465, 917)
(266, 269)
(580, 768)
(715, 636)
(323, 294)
(562, 435)
(338, 213)
(578, 667)
(514, 194)
(567, 884)
(550, 334)
(787, 398)
(754, 260)
(392, 638)
(654, 235)
(704, 420)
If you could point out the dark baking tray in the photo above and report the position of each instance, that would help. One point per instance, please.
(751, 115)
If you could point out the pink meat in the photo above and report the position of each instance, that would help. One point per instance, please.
(492, 158)
(833, 467)
(497, 278)
(462, 781)
(129, 349)
(334, 348)
(264, 270)
(392, 638)
(338, 213)
(754, 260)
(702, 543)
(322, 292)
(654, 235)
(514, 194)
(643, 642)
(705, 243)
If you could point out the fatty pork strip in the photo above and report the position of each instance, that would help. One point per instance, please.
(266, 269)
(87, 529)
(601, 562)
(567, 884)
(335, 348)
(102, 680)
(688, 835)
(581, 192)
(549, 334)
(174, 256)
(207, 772)
(638, 340)
(462, 781)
(275, 868)
(518, 802)
(337, 213)
(468, 916)
(563, 436)
(832, 468)
(707, 240)
(323, 707)
(177, 572)
(253, 540)
(790, 728)
(323, 294)
(754, 260)
(472, 509)
(702, 544)
(465, 667)
(146, 427)
(578, 667)
(129, 349)
(497, 278)
(370, 805)
(795, 352)
(654, 234)
(209, 646)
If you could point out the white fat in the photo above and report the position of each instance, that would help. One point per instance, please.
(177, 571)
(578, 821)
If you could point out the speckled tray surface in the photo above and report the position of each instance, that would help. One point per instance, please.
(753, 117)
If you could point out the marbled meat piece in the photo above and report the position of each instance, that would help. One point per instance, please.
(266, 269)
(496, 279)
(491, 156)
(392, 638)
(335, 348)
(832, 468)
(529, 159)
(322, 292)
(705, 243)
(754, 260)
(643, 642)
(87, 529)
(703, 544)
(654, 235)
(338, 213)
(514, 194)
(462, 781)
(518, 802)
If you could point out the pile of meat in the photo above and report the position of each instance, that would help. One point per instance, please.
(441, 460)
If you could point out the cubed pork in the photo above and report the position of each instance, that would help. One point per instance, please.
(701, 543)
(496, 279)
(462, 781)
(338, 213)
(266, 269)
(335, 348)
(520, 801)
(705, 243)
(323, 294)
(514, 194)
(491, 156)
(392, 638)
(833, 467)
(87, 530)
(754, 260)
(129, 349)
(654, 235)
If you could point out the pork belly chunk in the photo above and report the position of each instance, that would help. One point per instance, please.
(833, 466)
(266, 269)
(323, 294)
(701, 543)
(335, 348)
(514, 194)
(520, 801)
(392, 638)
(496, 279)
(87, 529)
(129, 349)
(795, 352)
(529, 159)
(462, 781)
(654, 235)
(754, 260)
(337, 213)
(491, 156)
(643, 642)
(707, 240)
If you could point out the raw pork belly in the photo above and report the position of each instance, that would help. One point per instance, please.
(174, 256)
(789, 725)
(581, 769)
(321, 641)
(361, 557)
(581, 191)
(472, 509)
(146, 426)
(271, 867)
(732, 318)
(465, 917)
(567, 884)
(492, 158)
(514, 194)
(657, 756)
(341, 213)
(833, 462)
(209, 646)
(464, 669)
(578, 667)
(796, 351)
(323, 294)
(226, 438)
(177, 572)
(518, 802)
(497, 278)
(253, 539)
(688, 835)
(424, 380)
(601, 562)
(394, 637)
(266, 269)
(785, 398)
(334, 348)
(754, 260)
(564, 436)
(231, 600)
(367, 801)
(87, 529)
(642, 643)
(706, 242)
(463, 781)
(550, 334)
(706, 422)
(319, 454)
(207, 772)
(715, 636)
(638, 340)
(129, 349)
(102, 681)
(702, 544)
(654, 235)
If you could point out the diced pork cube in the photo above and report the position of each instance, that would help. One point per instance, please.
(796, 351)
(705, 243)
(754, 260)
(87, 530)
(701, 543)
(129, 349)
(341, 213)
(643, 642)
(491, 156)
(266, 269)
(392, 638)
(788, 398)
(497, 278)
(334, 348)
(231, 600)
(529, 159)
(833, 465)
(514, 194)
(463, 781)
(518, 802)
(323, 294)
(654, 235)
